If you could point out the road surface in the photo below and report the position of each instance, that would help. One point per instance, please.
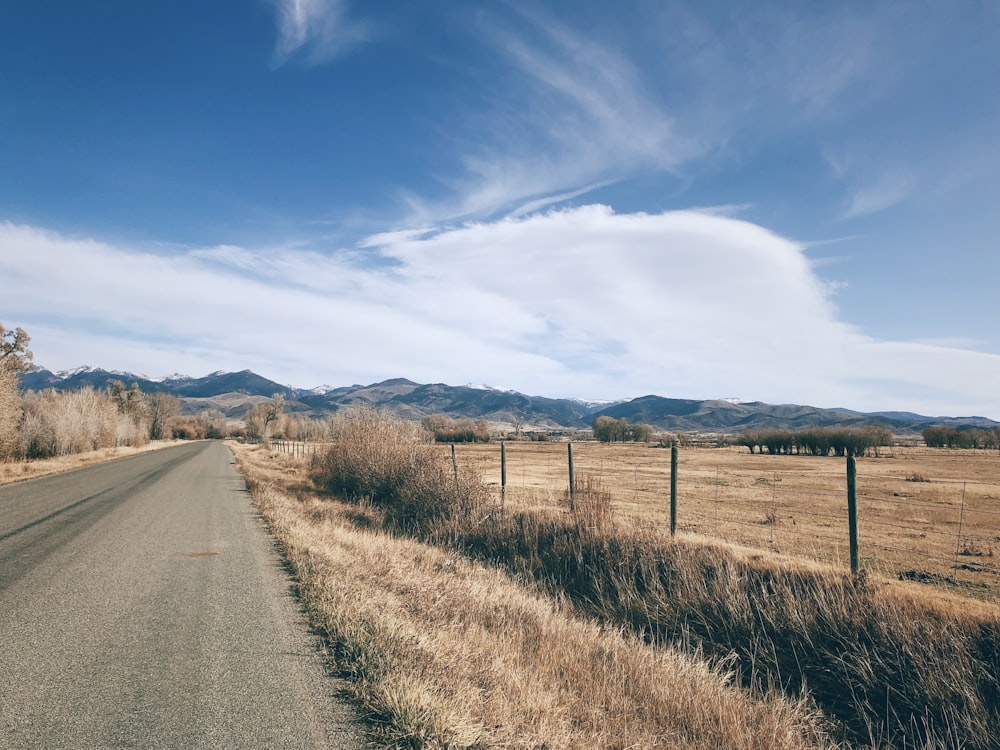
(142, 605)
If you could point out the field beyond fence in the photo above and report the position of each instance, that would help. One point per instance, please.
(927, 515)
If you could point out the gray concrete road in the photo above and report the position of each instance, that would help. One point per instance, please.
(142, 605)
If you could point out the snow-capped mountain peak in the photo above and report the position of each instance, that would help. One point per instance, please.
(321, 390)
(64, 374)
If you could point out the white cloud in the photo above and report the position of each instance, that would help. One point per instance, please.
(581, 302)
(319, 30)
(886, 192)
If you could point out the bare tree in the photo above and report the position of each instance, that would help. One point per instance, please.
(15, 357)
(161, 408)
(260, 418)
(10, 412)
(14, 352)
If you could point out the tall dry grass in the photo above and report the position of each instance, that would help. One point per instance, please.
(446, 652)
(892, 672)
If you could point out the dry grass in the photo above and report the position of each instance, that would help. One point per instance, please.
(892, 671)
(891, 668)
(16, 471)
(445, 652)
(790, 505)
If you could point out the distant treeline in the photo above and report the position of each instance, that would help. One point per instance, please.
(611, 430)
(817, 441)
(969, 437)
(448, 430)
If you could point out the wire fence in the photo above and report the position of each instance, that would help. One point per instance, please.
(295, 448)
(918, 518)
(949, 533)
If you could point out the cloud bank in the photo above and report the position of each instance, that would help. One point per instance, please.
(581, 302)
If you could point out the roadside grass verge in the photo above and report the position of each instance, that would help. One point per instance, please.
(444, 651)
(893, 671)
(17, 471)
(889, 669)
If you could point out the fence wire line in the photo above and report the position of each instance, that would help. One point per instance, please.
(707, 501)
(717, 502)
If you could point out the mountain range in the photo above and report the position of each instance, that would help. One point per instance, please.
(234, 392)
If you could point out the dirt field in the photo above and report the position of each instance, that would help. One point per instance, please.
(929, 515)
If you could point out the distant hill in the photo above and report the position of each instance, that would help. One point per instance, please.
(245, 382)
(234, 392)
(230, 392)
(84, 377)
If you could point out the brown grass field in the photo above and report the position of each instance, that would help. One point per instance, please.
(912, 501)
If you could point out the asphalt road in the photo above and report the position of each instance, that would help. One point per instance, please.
(142, 605)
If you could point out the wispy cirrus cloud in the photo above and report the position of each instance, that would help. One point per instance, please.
(884, 193)
(573, 113)
(679, 94)
(315, 30)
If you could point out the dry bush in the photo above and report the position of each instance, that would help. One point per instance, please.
(291, 427)
(370, 457)
(389, 463)
(448, 430)
(188, 428)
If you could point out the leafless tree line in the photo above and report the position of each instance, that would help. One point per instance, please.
(952, 437)
(817, 441)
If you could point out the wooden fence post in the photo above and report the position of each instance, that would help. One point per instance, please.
(673, 488)
(503, 470)
(569, 453)
(961, 523)
(454, 464)
(852, 512)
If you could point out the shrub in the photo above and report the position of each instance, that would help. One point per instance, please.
(380, 459)
(961, 437)
(187, 429)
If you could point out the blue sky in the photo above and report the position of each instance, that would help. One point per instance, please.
(786, 202)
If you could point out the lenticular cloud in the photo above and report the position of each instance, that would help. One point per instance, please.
(580, 302)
